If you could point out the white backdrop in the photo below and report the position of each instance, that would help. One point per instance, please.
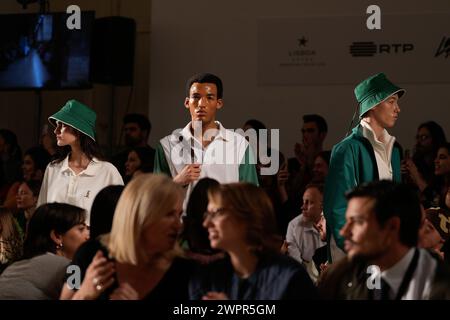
(222, 37)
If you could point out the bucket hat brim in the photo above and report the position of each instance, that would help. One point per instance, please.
(77, 116)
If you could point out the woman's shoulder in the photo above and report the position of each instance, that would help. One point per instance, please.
(47, 261)
(106, 166)
(279, 263)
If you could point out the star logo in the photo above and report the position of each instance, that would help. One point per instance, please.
(302, 42)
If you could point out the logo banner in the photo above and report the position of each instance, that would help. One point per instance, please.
(409, 48)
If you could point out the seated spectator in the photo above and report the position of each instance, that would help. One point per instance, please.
(136, 129)
(302, 236)
(194, 236)
(381, 229)
(435, 230)
(320, 169)
(139, 259)
(320, 256)
(102, 214)
(275, 186)
(35, 160)
(430, 136)
(48, 141)
(10, 161)
(11, 239)
(27, 196)
(433, 195)
(314, 132)
(140, 160)
(241, 221)
(55, 232)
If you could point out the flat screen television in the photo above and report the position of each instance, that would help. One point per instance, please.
(38, 51)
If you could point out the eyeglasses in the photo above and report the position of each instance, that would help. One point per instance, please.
(214, 214)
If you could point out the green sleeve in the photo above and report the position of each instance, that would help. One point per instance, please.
(247, 169)
(161, 165)
(343, 175)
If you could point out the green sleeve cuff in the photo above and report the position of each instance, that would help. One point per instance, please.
(247, 169)
(161, 165)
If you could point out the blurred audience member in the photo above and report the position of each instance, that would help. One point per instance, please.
(27, 196)
(303, 236)
(10, 161)
(194, 235)
(11, 239)
(35, 160)
(320, 169)
(430, 136)
(140, 160)
(136, 129)
(435, 230)
(383, 263)
(139, 258)
(55, 232)
(241, 221)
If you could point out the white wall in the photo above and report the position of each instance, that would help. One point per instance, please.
(221, 37)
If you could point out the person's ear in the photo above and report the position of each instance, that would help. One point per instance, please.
(186, 102)
(322, 136)
(219, 103)
(57, 238)
(393, 225)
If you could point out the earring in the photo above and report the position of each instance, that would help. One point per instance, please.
(59, 246)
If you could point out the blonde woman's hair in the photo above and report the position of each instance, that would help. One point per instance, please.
(11, 239)
(147, 198)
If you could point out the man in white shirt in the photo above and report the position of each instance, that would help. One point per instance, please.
(383, 263)
(204, 148)
(302, 236)
(369, 153)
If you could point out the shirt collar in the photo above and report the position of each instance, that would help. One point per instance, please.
(308, 226)
(187, 135)
(91, 170)
(368, 133)
(395, 274)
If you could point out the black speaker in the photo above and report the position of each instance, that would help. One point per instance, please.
(112, 55)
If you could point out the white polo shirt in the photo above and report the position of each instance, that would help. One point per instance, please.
(61, 184)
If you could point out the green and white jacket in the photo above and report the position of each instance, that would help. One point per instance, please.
(352, 163)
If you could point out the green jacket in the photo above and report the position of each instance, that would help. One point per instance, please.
(352, 162)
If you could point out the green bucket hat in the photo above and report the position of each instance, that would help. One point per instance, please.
(78, 116)
(375, 90)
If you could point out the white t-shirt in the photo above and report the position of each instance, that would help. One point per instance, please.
(61, 184)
